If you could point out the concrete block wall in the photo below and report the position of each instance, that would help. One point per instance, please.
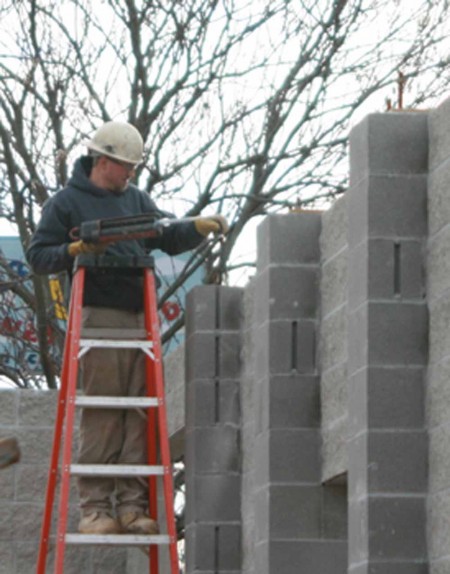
(212, 435)
(388, 345)
(438, 382)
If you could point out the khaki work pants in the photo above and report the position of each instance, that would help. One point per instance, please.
(113, 435)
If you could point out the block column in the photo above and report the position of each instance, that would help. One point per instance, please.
(296, 523)
(212, 450)
(387, 345)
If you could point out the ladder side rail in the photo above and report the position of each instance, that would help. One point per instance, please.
(158, 382)
(56, 448)
(152, 456)
(71, 373)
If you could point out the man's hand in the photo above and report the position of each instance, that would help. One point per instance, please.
(212, 224)
(79, 247)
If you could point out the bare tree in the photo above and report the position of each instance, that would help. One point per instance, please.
(244, 106)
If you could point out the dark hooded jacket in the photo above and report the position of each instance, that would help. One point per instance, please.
(82, 201)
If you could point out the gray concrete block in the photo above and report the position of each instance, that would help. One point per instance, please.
(438, 197)
(229, 353)
(358, 325)
(387, 398)
(201, 356)
(438, 393)
(397, 462)
(37, 408)
(386, 269)
(290, 238)
(439, 461)
(213, 450)
(35, 444)
(397, 334)
(394, 526)
(369, 216)
(439, 134)
(284, 292)
(333, 339)
(293, 402)
(201, 309)
(334, 283)
(286, 455)
(438, 527)
(9, 405)
(295, 512)
(213, 548)
(230, 312)
(108, 560)
(395, 567)
(439, 333)
(438, 266)
(7, 552)
(334, 394)
(358, 475)
(357, 532)
(389, 144)
(210, 403)
(333, 237)
(295, 556)
(334, 450)
(213, 498)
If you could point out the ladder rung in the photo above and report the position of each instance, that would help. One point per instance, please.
(116, 402)
(110, 333)
(116, 470)
(115, 343)
(123, 539)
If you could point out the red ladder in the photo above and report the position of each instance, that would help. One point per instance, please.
(75, 346)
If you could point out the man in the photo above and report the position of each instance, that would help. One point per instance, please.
(100, 188)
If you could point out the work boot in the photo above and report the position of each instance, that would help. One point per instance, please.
(138, 523)
(100, 522)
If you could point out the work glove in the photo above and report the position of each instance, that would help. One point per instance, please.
(78, 247)
(212, 224)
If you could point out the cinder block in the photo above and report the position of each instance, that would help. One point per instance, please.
(397, 462)
(397, 334)
(261, 507)
(286, 455)
(209, 403)
(293, 402)
(295, 512)
(213, 450)
(397, 567)
(438, 393)
(358, 325)
(9, 404)
(37, 408)
(333, 237)
(438, 265)
(438, 197)
(389, 144)
(201, 356)
(229, 355)
(294, 556)
(31, 482)
(358, 472)
(334, 283)
(7, 561)
(439, 134)
(35, 444)
(213, 498)
(201, 309)
(230, 312)
(438, 526)
(394, 526)
(386, 269)
(27, 517)
(334, 450)
(287, 292)
(439, 475)
(387, 398)
(334, 394)
(290, 238)
(393, 207)
(213, 547)
(333, 339)
(439, 333)
(358, 548)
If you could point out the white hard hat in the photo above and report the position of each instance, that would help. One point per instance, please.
(118, 140)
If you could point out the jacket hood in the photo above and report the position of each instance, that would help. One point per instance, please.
(80, 177)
